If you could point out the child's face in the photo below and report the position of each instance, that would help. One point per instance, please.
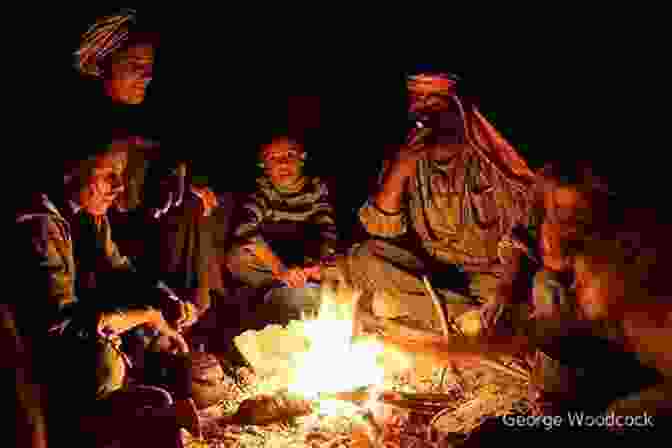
(282, 161)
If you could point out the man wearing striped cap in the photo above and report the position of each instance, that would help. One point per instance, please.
(116, 51)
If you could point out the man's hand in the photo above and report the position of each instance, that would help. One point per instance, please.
(313, 272)
(177, 343)
(188, 315)
(397, 172)
(294, 277)
(173, 340)
(490, 313)
(207, 197)
(180, 314)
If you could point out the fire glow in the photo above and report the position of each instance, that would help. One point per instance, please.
(334, 362)
(318, 359)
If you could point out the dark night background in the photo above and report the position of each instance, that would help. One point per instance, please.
(218, 92)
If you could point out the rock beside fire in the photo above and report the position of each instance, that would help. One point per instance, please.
(266, 409)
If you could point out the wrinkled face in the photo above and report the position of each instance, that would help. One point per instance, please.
(105, 182)
(565, 209)
(425, 104)
(130, 73)
(283, 161)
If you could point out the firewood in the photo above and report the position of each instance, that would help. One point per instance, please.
(357, 397)
(428, 403)
(438, 305)
(427, 397)
(445, 352)
(265, 409)
(389, 327)
(414, 407)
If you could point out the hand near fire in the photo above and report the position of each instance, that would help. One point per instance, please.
(490, 314)
(207, 197)
(297, 277)
(293, 277)
(180, 314)
(314, 272)
(170, 339)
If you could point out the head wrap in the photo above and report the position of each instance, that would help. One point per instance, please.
(486, 151)
(432, 83)
(105, 36)
(480, 134)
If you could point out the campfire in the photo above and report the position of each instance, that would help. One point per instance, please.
(315, 383)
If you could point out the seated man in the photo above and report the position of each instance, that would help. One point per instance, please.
(447, 207)
(84, 330)
(117, 55)
(289, 230)
(613, 349)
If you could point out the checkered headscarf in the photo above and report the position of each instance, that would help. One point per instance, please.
(103, 37)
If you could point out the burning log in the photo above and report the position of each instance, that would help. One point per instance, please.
(356, 397)
(266, 409)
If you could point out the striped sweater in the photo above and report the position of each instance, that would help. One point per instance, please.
(312, 205)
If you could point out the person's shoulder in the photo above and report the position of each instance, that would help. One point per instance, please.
(36, 207)
(39, 224)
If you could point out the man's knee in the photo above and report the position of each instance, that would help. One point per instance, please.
(244, 267)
